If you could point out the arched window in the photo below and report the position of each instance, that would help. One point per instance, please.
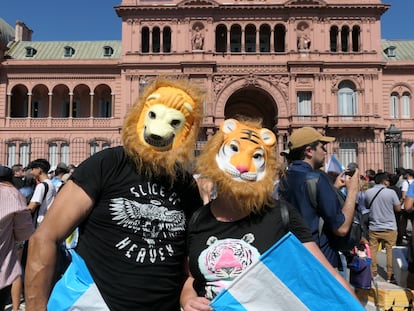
(58, 152)
(221, 39)
(250, 39)
(264, 38)
(97, 145)
(145, 40)
(166, 40)
(235, 39)
(279, 38)
(394, 105)
(347, 99)
(333, 39)
(405, 105)
(18, 151)
(356, 39)
(345, 39)
(156, 40)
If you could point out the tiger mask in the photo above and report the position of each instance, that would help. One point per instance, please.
(241, 160)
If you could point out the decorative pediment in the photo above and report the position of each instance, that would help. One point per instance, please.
(296, 3)
(198, 3)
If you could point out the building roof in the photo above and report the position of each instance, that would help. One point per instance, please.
(27, 50)
(403, 50)
(6, 32)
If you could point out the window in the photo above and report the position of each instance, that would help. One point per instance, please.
(333, 38)
(235, 39)
(58, 152)
(156, 40)
(264, 38)
(108, 51)
(145, 40)
(18, 152)
(394, 105)
(348, 153)
(166, 40)
(250, 39)
(30, 51)
(280, 38)
(405, 105)
(347, 99)
(105, 108)
(69, 51)
(408, 155)
(221, 38)
(304, 102)
(97, 145)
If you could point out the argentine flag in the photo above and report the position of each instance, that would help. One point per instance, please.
(287, 277)
(76, 290)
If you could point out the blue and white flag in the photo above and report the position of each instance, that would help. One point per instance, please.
(287, 277)
(334, 165)
(76, 290)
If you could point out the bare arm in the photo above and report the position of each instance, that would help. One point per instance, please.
(352, 185)
(69, 208)
(408, 203)
(314, 249)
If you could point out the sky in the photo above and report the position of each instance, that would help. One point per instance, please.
(78, 20)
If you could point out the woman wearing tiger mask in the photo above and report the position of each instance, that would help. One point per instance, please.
(229, 233)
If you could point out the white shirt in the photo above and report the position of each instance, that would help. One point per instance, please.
(38, 198)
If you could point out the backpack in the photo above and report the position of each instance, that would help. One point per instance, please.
(35, 214)
(356, 231)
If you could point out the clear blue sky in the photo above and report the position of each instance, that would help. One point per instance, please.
(55, 20)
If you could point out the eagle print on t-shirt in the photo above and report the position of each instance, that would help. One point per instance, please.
(153, 220)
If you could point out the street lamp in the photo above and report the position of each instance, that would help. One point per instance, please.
(393, 141)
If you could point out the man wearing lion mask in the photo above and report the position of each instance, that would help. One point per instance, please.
(131, 204)
(228, 234)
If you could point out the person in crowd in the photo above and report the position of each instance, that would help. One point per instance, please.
(44, 192)
(382, 203)
(370, 175)
(243, 219)
(132, 204)
(61, 169)
(307, 152)
(15, 225)
(408, 178)
(18, 175)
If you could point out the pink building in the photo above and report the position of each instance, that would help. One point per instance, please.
(319, 63)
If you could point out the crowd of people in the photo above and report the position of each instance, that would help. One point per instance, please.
(26, 195)
(152, 237)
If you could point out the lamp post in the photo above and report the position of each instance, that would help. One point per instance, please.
(393, 142)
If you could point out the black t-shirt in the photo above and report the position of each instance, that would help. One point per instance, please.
(220, 251)
(133, 241)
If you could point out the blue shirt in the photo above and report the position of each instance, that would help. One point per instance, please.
(293, 188)
(410, 191)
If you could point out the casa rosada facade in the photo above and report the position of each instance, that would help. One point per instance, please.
(294, 63)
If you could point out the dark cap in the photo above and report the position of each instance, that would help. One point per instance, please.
(409, 171)
(6, 173)
(43, 164)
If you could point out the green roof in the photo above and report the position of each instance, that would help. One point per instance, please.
(6, 32)
(404, 50)
(58, 49)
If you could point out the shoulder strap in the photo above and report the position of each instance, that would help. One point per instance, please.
(46, 190)
(311, 186)
(370, 203)
(284, 213)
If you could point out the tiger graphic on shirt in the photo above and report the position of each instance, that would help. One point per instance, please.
(224, 260)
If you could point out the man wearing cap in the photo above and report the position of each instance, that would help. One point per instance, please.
(61, 169)
(44, 192)
(307, 152)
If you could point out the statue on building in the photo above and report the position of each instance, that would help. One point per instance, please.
(304, 41)
(197, 40)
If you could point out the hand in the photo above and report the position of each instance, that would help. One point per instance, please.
(205, 188)
(197, 304)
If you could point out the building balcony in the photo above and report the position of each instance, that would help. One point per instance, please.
(59, 123)
(334, 121)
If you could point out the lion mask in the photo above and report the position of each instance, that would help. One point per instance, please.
(161, 129)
